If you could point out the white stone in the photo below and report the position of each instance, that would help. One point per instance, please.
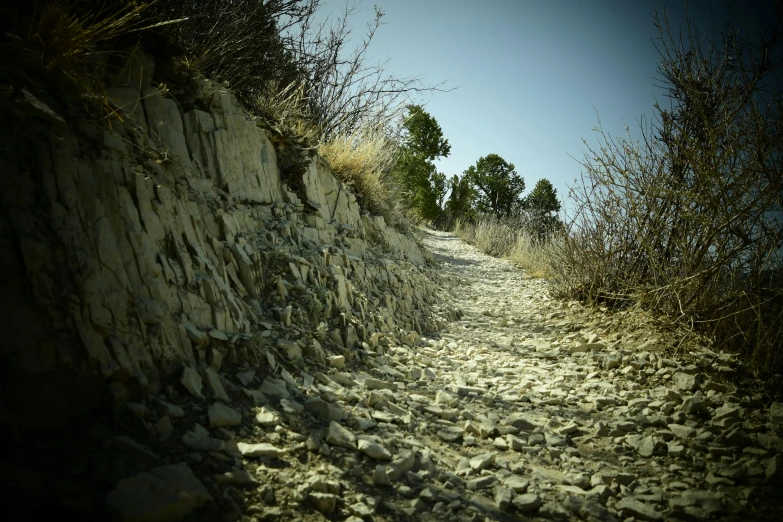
(263, 449)
(338, 435)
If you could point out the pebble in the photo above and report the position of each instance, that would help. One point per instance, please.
(338, 435)
(262, 449)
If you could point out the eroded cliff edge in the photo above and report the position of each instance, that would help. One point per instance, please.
(161, 239)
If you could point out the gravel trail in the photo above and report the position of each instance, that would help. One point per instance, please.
(521, 408)
(592, 419)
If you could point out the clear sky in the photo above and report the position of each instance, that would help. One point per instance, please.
(531, 76)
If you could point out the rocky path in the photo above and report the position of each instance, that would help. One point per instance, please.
(523, 408)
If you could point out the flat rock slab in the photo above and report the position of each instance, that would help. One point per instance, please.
(338, 435)
(222, 415)
(373, 450)
(630, 507)
(263, 449)
(164, 494)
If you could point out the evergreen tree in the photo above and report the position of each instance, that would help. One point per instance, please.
(423, 142)
(461, 200)
(542, 206)
(497, 184)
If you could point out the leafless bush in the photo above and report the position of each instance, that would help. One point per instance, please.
(345, 92)
(262, 49)
(686, 220)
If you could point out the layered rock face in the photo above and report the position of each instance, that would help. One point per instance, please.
(169, 241)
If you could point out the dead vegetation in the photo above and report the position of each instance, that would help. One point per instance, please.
(686, 220)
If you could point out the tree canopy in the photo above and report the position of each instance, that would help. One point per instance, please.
(543, 198)
(461, 200)
(542, 207)
(423, 135)
(498, 186)
(423, 142)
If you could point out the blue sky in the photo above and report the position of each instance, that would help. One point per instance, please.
(531, 76)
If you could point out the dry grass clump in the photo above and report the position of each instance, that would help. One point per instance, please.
(65, 35)
(363, 161)
(509, 238)
(534, 257)
(72, 40)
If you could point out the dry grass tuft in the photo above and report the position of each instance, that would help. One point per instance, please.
(508, 238)
(72, 40)
(64, 35)
(363, 160)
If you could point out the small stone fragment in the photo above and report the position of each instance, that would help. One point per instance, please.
(246, 377)
(373, 450)
(377, 384)
(263, 449)
(292, 349)
(527, 502)
(503, 498)
(336, 361)
(338, 435)
(266, 418)
(481, 462)
(213, 381)
(686, 381)
(517, 483)
(482, 482)
(191, 380)
(222, 415)
(630, 507)
(239, 477)
(164, 493)
(380, 477)
(324, 502)
(451, 434)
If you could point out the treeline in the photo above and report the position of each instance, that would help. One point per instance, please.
(490, 188)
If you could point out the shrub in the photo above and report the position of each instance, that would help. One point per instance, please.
(686, 221)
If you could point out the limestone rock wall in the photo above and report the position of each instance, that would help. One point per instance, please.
(170, 240)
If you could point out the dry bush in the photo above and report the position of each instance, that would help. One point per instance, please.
(263, 51)
(363, 161)
(686, 221)
(64, 36)
(344, 91)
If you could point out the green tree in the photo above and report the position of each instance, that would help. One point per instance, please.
(461, 200)
(543, 198)
(423, 142)
(497, 184)
(423, 134)
(542, 206)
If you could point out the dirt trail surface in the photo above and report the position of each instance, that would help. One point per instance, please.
(522, 408)
(566, 415)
